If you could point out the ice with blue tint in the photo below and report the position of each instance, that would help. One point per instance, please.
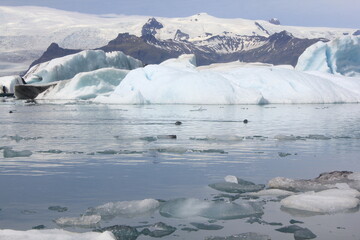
(86, 85)
(179, 81)
(89, 60)
(339, 56)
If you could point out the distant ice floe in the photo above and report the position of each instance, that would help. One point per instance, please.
(340, 56)
(67, 67)
(54, 234)
(83, 221)
(179, 81)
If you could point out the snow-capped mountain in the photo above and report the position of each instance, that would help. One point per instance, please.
(26, 32)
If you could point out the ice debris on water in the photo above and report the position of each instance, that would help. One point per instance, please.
(83, 221)
(233, 184)
(125, 208)
(191, 207)
(9, 153)
(327, 201)
(299, 232)
(269, 192)
(203, 226)
(158, 230)
(121, 232)
(58, 208)
(242, 236)
(324, 181)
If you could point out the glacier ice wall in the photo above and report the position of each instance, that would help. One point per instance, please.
(339, 56)
(179, 81)
(67, 67)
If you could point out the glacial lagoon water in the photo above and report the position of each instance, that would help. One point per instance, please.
(83, 155)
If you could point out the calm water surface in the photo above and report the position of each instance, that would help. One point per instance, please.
(85, 155)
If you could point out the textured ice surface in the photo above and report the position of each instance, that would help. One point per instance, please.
(299, 232)
(242, 236)
(53, 234)
(178, 81)
(83, 221)
(67, 67)
(9, 83)
(270, 192)
(339, 56)
(121, 232)
(125, 208)
(190, 207)
(158, 230)
(327, 201)
(324, 181)
(86, 85)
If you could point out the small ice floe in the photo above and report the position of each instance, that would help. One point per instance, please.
(233, 184)
(327, 201)
(269, 192)
(158, 230)
(242, 236)
(83, 221)
(191, 207)
(203, 226)
(9, 153)
(281, 137)
(324, 181)
(125, 208)
(53, 234)
(58, 208)
(299, 232)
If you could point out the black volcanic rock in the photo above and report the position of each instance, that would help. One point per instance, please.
(150, 27)
(356, 33)
(274, 21)
(54, 51)
(181, 36)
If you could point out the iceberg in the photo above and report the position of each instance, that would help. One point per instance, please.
(340, 56)
(83, 221)
(8, 83)
(86, 85)
(179, 81)
(89, 60)
(53, 234)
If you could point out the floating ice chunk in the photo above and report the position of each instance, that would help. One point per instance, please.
(125, 208)
(158, 230)
(83, 221)
(89, 60)
(328, 201)
(8, 83)
(58, 208)
(86, 85)
(299, 232)
(53, 234)
(270, 192)
(204, 226)
(288, 137)
(190, 207)
(8, 153)
(236, 185)
(324, 181)
(242, 236)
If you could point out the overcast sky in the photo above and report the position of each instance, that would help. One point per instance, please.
(319, 13)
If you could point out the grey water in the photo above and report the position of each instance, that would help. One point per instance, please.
(82, 155)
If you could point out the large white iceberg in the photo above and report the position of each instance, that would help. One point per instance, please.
(67, 67)
(339, 56)
(86, 85)
(179, 81)
(8, 83)
(53, 234)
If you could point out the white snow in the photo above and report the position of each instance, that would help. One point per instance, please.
(126, 208)
(67, 67)
(53, 234)
(86, 85)
(178, 81)
(327, 201)
(9, 83)
(339, 56)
